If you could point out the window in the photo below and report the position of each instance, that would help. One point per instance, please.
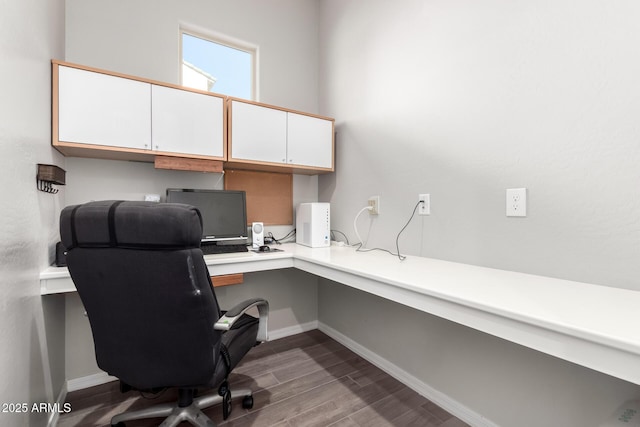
(218, 67)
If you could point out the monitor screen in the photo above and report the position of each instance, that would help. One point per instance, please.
(224, 212)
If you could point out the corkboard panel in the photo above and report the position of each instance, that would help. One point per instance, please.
(269, 195)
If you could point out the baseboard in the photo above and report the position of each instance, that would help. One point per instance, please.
(102, 377)
(292, 330)
(55, 415)
(89, 381)
(452, 406)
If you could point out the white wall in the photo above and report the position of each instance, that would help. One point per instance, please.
(462, 100)
(32, 333)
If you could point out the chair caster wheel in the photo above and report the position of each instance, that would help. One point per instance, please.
(247, 402)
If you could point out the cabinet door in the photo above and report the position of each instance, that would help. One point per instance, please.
(95, 108)
(258, 133)
(309, 141)
(187, 122)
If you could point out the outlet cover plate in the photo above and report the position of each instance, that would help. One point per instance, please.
(374, 202)
(425, 206)
(517, 202)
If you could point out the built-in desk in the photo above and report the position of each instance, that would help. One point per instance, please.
(55, 280)
(590, 325)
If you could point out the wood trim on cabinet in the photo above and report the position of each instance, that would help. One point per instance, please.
(227, 279)
(188, 164)
(94, 151)
(253, 165)
(76, 149)
(55, 93)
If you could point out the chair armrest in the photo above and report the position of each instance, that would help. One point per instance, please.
(230, 317)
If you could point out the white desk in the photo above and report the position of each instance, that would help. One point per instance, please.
(55, 280)
(590, 325)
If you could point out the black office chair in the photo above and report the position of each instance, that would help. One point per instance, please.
(155, 319)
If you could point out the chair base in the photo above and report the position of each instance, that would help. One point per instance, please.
(175, 414)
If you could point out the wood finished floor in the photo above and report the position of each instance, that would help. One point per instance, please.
(302, 380)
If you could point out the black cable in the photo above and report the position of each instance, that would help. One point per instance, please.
(400, 257)
(289, 235)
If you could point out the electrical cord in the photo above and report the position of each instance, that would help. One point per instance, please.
(402, 257)
(289, 235)
(361, 244)
(355, 225)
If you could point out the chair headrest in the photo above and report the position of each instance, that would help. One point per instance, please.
(130, 224)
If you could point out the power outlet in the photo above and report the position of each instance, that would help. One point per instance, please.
(425, 204)
(517, 202)
(374, 202)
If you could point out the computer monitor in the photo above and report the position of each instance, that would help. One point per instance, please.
(224, 212)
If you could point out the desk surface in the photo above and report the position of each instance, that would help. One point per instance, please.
(590, 325)
(55, 280)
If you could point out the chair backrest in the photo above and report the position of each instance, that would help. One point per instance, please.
(141, 276)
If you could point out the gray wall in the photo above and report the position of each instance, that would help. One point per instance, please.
(463, 100)
(458, 99)
(505, 383)
(142, 38)
(32, 333)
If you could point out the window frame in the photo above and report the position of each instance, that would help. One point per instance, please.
(226, 41)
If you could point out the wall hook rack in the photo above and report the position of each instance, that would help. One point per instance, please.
(47, 176)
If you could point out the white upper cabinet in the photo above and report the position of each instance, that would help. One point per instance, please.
(101, 114)
(309, 141)
(101, 109)
(97, 113)
(258, 133)
(187, 122)
(277, 138)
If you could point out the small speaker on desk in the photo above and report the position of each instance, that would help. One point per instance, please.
(61, 255)
(257, 233)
